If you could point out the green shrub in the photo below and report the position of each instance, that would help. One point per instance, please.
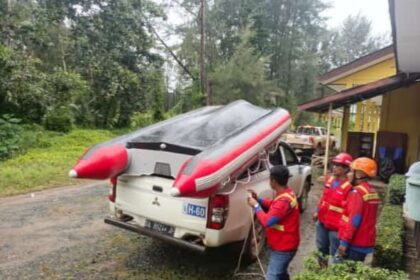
(396, 189)
(348, 270)
(35, 136)
(10, 136)
(389, 238)
(139, 120)
(59, 119)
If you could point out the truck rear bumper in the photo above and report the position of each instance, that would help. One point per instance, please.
(144, 231)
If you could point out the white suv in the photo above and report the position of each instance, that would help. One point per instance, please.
(143, 204)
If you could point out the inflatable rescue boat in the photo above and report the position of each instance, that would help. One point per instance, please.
(199, 150)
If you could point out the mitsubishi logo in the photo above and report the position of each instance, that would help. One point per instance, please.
(156, 202)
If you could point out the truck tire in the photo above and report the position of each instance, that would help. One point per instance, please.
(254, 246)
(303, 198)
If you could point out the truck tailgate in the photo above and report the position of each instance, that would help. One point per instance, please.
(298, 139)
(147, 200)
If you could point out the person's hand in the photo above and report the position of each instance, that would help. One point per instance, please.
(252, 201)
(315, 217)
(253, 194)
(342, 250)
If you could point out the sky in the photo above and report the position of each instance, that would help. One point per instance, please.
(375, 10)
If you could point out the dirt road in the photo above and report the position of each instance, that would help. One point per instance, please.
(60, 234)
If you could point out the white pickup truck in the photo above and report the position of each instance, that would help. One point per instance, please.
(311, 139)
(144, 205)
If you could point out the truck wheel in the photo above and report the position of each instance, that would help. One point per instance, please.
(254, 246)
(303, 198)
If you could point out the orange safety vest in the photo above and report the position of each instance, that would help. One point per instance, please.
(365, 234)
(285, 236)
(331, 206)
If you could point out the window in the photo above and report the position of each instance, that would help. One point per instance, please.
(275, 157)
(305, 130)
(300, 130)
(255, 167)
(290, 156)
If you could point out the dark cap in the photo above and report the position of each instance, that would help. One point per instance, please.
(280, 174)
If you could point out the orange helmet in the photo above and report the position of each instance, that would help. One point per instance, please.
(367, 165)
(343, 158)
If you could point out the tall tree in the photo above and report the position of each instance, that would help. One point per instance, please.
(243, 77)
(285, 32)
(350, 41)
(97, 55)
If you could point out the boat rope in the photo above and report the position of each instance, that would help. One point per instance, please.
(239, 182)
(236, 273)
(263, 158)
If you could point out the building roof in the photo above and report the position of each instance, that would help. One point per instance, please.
(357, 65)
(406, 38)
(406, 34)
(359, 93)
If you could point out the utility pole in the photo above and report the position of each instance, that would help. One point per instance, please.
(203, 74)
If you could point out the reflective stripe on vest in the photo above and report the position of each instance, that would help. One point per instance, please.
(345, 218)
(367, 196)
(329, 182)
(293, 201)
(293, 204)
(278, 227)
(345, 185)
(370, 196)
(336, 209)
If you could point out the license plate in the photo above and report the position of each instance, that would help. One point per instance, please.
(195, 210)
(159, 227)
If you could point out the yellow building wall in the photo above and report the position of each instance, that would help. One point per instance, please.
(401, 113)
(373, 73)
(367, 113)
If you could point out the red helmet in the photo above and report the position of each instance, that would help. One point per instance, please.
(343, 158)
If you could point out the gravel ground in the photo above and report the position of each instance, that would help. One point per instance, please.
(60, 234)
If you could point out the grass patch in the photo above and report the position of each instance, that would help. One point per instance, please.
(47, 164)
(348, 271)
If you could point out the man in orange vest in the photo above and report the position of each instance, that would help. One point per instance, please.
(357, 231)
(330, 207)
(280, 218)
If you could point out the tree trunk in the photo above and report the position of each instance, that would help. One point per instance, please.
(203, 74)
(63, 58)
(171, 52)
(290, 53)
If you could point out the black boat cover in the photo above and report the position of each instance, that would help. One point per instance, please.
(193, 132)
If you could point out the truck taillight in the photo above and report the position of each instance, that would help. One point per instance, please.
(113, 190)
(217, 211)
